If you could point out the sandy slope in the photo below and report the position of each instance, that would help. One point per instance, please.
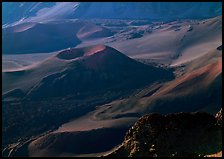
(13, 62)
(175, 47)
(89, 122)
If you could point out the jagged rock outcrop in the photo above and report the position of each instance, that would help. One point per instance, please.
(172, 135)
(219, 48)
(218, 117)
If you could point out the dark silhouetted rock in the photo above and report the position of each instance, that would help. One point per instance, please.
(219, 117)
(173, 135)
(219, 48)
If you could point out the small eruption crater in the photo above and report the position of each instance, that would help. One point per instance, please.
(70, 54)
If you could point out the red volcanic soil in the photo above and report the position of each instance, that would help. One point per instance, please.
(204, 75)
(95, 49)
(101, 57)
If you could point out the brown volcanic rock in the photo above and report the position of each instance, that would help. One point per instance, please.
(182, 134)
(218, 117)
(219, 48)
